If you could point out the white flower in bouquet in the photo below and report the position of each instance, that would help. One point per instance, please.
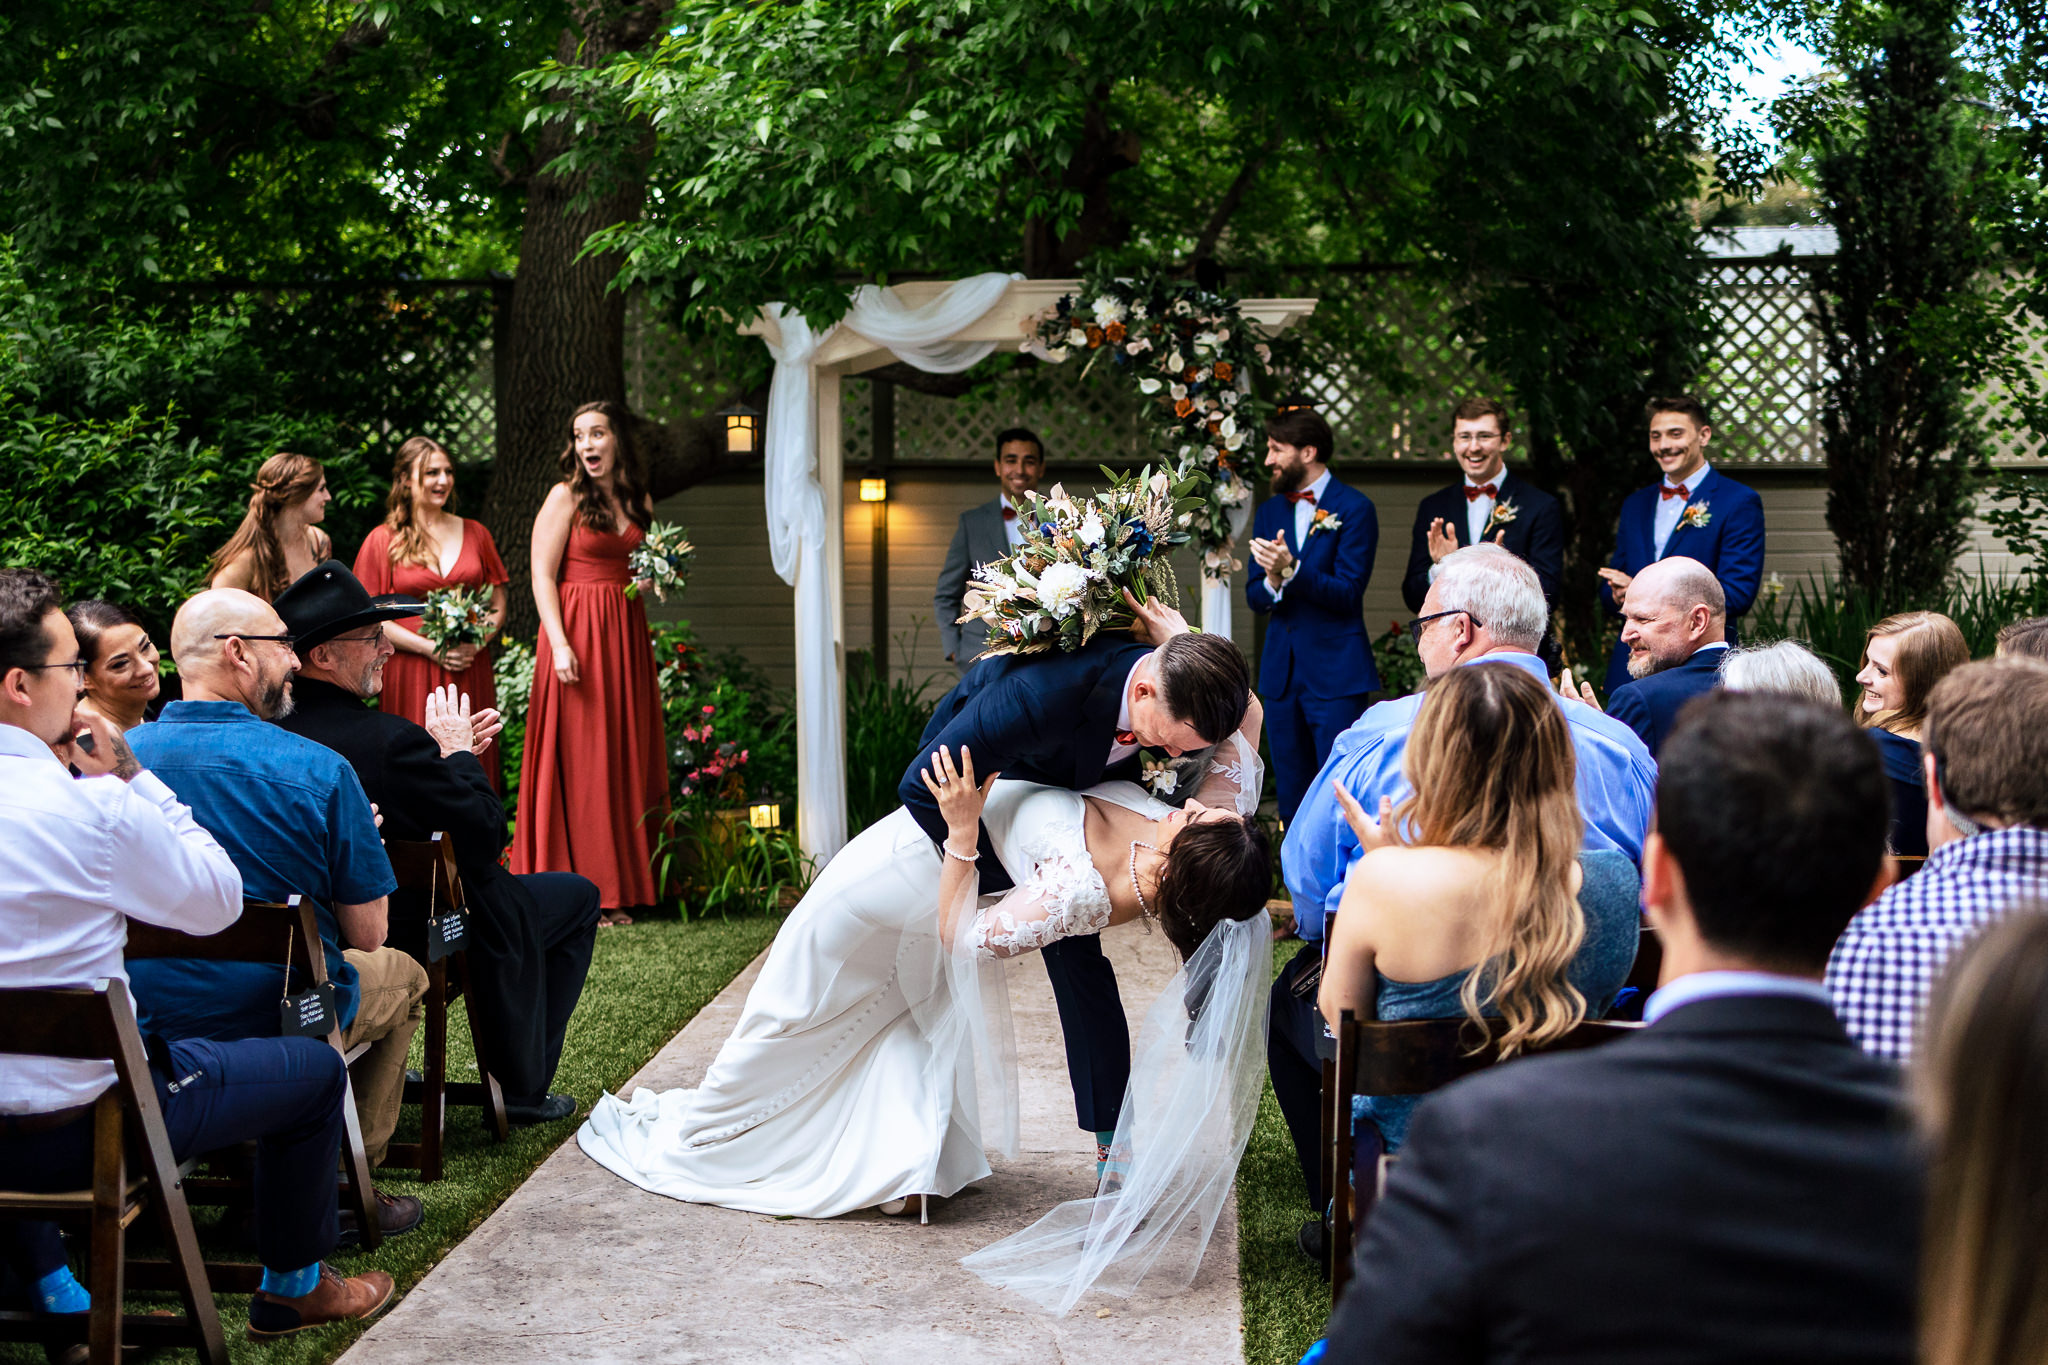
(1149, 386)
(1176, 361)
(1061, 588)
(1077, 337)
(1177, 392)
(1092, 529)
(661, 560)
(456, 616)
(1108, 310)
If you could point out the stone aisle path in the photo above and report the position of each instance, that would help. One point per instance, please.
(579, 1265)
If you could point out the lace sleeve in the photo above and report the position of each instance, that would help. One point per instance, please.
(1234, 778)
(1061, 896)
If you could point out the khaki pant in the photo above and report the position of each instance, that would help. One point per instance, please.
(393, 985)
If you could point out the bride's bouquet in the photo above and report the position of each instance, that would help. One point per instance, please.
(1066, 581)
(662, 558)
(456, 616)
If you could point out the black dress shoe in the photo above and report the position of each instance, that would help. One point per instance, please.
(1314, 1240)
(553, 1109)
(396, 1214)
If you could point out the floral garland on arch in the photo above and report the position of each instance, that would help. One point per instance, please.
(1194, 354)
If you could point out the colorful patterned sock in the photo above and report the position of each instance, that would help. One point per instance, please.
(60, 1292)
(1102, 1141)
(291, 1284)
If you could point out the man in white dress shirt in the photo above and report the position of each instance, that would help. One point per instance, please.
(83, 853)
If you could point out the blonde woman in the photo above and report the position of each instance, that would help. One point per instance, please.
(1904, 656)
(421, 547)
(1981, 1089)
(1468, 899)
(593, 787)
(280, 537)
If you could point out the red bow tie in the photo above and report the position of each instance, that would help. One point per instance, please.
(1667, 491)
(1484, 490)
(1126, 737)
(1009, 513)
(1309, 496)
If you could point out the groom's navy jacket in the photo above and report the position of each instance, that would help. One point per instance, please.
(1047, 718)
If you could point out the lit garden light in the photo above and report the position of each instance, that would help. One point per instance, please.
(874, 488)
(768, 816)
(742, 429)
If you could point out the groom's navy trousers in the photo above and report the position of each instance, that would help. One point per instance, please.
(1048, 718)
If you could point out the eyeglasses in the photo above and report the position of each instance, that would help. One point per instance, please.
(77, 667)
(1415, 627)
(372, 638)
(286, 640)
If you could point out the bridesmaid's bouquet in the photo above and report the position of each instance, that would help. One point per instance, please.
(662, 559)
(1066, 581)
(456, 616)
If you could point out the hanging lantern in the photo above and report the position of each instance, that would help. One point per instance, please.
(742, 429)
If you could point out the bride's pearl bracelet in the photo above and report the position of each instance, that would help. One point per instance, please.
(963, 857)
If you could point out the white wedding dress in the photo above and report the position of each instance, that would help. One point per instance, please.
(873, 1060)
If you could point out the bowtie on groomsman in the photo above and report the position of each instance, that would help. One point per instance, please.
(1313, 545)
(986, 532)
(1491, 503)
(1694, 511)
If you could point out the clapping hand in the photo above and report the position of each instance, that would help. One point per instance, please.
(1371, 833)
(1153, 620)
(1577, 691)
(454, 728)
(960, 798)
(1617, 584)
(1442, 540)
(1274, 557)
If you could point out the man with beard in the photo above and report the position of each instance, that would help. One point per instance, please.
(1313, 542)
(294, 820)
(531, 935)
(1675, 627)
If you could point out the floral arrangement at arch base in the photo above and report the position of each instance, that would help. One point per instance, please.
(1065, 582)
(1194, 355)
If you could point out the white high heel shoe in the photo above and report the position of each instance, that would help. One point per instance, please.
(896, 1208)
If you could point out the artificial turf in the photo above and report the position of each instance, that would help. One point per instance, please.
(646, 981)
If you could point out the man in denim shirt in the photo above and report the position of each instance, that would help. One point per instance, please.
(293, 817)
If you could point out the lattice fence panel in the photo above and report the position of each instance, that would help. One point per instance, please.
(1763, 385)
(1083, 422)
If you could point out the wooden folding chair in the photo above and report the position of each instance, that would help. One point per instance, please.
(98, 1024)
(1406, 1057)
(272, 934)
(428, 867)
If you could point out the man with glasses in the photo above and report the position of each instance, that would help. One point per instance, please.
(1485, 606)
(1490, 505)
(531, 935)
(293, 817)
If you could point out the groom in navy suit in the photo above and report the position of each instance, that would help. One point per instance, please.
(1490, 503)
(1313, 542)
(1693, 511)
(1072, 720)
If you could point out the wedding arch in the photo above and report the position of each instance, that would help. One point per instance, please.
(939, 326)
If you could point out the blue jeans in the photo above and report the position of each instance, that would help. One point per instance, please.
(285, 1094)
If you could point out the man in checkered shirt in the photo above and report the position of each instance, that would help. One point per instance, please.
(1986, 763)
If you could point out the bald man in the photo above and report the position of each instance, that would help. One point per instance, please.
(293, 818)
(1675, 627)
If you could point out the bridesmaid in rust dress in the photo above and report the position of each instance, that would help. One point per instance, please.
(422, 546)
(594, 787)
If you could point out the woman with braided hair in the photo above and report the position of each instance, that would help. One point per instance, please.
(280, 536)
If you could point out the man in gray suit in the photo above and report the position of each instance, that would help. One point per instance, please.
(986, 532)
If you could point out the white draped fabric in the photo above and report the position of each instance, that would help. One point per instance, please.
(921, 336)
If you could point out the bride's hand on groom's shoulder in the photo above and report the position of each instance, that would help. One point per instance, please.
(959, 795)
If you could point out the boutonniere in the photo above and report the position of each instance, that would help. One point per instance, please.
(1503, 513)
(1695, 514)
(1323, 520)
(1157, 772)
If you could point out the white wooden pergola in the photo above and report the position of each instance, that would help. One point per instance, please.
(942, 326)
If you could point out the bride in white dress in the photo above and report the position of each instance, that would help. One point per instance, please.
(851, 1078)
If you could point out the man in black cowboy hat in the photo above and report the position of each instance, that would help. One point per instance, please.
(530, 936)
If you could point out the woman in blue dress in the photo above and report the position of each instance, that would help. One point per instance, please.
(1473, 898)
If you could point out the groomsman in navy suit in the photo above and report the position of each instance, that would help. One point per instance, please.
(1693, 511)
(1489, 504)
(1313, 542)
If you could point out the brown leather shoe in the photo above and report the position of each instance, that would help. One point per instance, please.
(332, 1300)
(396, 1214)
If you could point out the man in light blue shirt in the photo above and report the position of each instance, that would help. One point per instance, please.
(1485, 607)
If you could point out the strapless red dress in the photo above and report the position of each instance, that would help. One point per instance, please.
(593, 789)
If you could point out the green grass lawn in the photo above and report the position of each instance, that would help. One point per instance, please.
(1285, 1299)
(646, 981)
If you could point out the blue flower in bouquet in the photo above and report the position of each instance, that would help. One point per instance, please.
(1140, 539)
